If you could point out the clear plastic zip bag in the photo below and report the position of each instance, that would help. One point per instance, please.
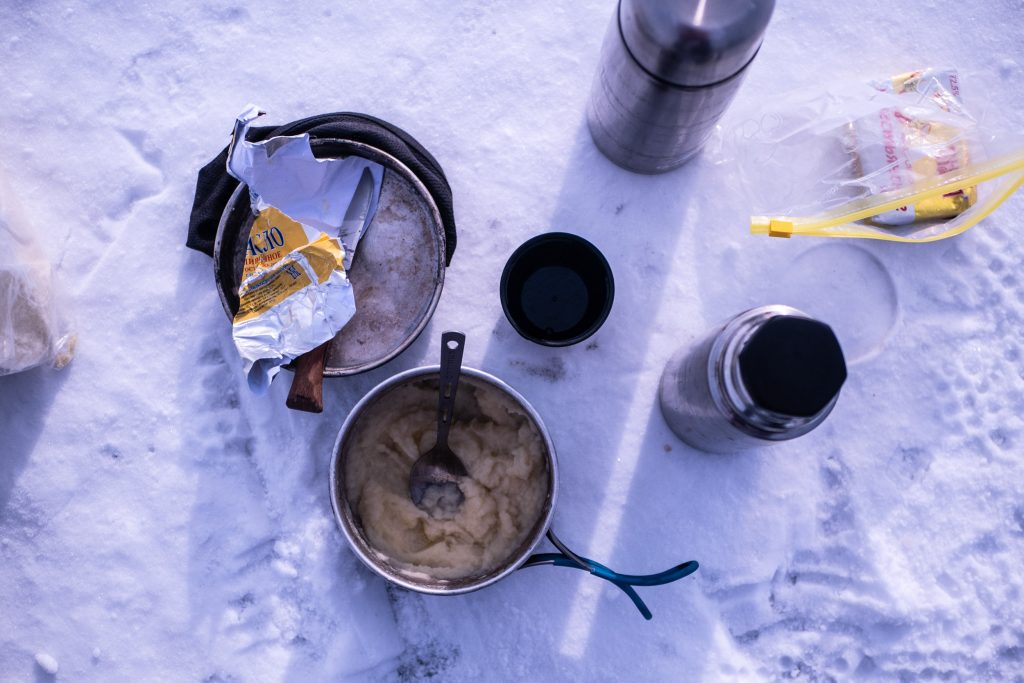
(903, 160)
(34, 326)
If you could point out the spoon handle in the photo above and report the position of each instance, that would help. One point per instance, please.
(452, 344)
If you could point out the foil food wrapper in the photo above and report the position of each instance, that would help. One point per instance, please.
(310, 215)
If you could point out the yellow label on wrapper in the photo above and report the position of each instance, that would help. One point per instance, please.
(272, 236)
(280, 260)
(269, 289)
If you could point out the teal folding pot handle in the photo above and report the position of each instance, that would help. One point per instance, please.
(567, 558)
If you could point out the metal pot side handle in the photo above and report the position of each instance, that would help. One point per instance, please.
(567, 558)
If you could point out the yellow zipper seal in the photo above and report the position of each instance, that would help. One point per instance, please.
(824, 225)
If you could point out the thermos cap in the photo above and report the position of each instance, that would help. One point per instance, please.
(793, 366)
(557, 289)
(693, 43)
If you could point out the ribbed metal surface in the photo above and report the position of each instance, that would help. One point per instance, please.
(666, 75)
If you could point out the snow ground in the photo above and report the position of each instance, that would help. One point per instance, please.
(158, 522)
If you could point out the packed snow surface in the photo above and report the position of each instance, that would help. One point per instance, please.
(159, 522)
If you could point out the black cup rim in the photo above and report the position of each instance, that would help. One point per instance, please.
(566, 238)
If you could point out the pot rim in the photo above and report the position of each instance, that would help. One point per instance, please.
(340, 502)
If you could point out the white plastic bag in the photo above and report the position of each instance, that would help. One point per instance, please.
(34, 329)
(904, 159)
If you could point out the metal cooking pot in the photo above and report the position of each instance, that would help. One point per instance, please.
(521, 557)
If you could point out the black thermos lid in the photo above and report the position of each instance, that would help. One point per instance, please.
(793, 366)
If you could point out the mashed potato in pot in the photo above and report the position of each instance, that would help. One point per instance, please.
(505, 490)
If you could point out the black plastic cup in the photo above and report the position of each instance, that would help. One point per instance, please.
(557, 289)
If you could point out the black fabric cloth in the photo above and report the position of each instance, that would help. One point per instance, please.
(214, 186)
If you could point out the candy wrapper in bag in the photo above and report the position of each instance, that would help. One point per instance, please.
(34, 325)
(309, 216)
(897, 146)
(900, 159)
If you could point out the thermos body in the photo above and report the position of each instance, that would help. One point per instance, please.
(668, 70)
(769, 374)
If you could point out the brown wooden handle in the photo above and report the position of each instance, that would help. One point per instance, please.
(307, 392)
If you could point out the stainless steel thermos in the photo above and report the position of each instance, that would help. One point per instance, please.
(769, 374)
(668, 70)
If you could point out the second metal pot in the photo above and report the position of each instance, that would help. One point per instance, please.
(351, 526)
